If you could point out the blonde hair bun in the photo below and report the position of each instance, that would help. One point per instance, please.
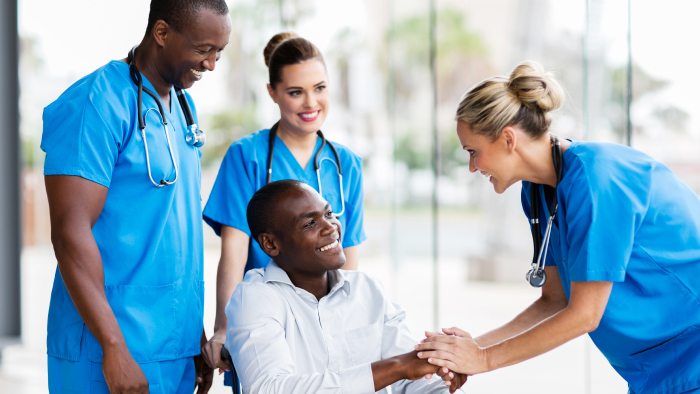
(274, 42)
(535, 88)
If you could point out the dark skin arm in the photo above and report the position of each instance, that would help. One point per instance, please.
(74, 206)
(405, 366)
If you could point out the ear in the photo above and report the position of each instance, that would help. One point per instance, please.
(160, 32)
(510, 138)
(269, 245)
(272, 93)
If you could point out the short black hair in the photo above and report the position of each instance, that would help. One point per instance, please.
(178, 14)
(261, 208)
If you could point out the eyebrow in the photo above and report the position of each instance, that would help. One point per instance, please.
(299, 87)
(314, 213)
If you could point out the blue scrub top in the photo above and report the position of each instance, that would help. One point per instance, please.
(625, 218)
(244, 171)
(150, 238)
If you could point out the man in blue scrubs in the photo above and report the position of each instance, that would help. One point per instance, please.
(127, 301)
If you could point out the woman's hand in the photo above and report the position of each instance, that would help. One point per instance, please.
(457, 351)
(211, 351)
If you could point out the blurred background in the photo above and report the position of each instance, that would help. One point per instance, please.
(448, 249)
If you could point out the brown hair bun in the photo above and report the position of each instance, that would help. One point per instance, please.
(274, 42)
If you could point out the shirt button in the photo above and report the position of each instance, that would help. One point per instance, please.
(298, 292)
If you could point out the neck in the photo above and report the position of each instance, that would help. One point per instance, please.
(295, 139)
(538, 163)
(316, 285)
(146, 61)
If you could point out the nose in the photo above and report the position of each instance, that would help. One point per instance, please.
(310, 101)
(330, 225)
(472, 166)
(210, 62)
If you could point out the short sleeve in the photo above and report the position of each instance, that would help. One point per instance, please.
(233, 189)
(525, 200)
(602, 214)
(354, 225)
(82, 137)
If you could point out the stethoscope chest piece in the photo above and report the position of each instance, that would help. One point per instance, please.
(536, 277)
(195, 137)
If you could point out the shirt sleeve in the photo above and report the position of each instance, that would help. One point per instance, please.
(233, 189)
(525, 200)
(355, 230)
(602, 215)
(264, 364)
(83, 137)
(396, 340)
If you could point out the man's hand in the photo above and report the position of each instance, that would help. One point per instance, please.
(457, 351)
(122, 373)
(452, 379)
(204, 373)
(211, 351)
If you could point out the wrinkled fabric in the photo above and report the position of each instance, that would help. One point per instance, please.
(625, 218)
(150, 238)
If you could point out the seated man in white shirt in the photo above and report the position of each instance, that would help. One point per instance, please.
(302, 325)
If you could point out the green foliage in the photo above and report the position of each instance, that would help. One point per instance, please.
(226, 127)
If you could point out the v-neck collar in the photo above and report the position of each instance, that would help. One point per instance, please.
(289, 152)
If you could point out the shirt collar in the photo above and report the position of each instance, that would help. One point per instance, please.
(273, 273)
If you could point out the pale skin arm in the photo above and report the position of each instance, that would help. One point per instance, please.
(352, 257)
(460, 353)
(234, 255)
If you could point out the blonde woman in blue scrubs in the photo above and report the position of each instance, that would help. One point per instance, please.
(623, 261)
(299, 86)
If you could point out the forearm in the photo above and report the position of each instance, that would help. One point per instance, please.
(537, 312)
(386, 372)
(545, 336)
(228, 275)
(80, 264)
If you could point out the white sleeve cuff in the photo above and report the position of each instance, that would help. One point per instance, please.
(357, 380)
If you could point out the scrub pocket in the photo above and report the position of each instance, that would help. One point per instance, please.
(146, 316)
(365, 343)
(671, 367)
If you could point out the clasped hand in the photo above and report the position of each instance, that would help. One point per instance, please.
(454, 349)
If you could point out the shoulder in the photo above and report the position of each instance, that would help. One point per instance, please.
(253, 298)
(99, 88)
(600, 164)
(367, 285)
(248, 147)
(346, 153)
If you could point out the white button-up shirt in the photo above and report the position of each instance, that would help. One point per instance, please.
(283, 340)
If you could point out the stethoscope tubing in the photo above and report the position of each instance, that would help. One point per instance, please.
(541, 248)
(194, 137)
(317, 163)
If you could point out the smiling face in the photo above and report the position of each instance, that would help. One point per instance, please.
(493, 159)
(302, 96)
(187, 54)
(306, 238)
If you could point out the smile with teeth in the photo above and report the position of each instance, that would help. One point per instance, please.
(328, 247)
(486, 174)
(309, 115)
(197, 73)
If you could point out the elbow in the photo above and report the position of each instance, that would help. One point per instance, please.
(588, 321)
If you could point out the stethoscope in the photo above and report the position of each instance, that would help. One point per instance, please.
(194, 136)
(317, 163)
(536, 275)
